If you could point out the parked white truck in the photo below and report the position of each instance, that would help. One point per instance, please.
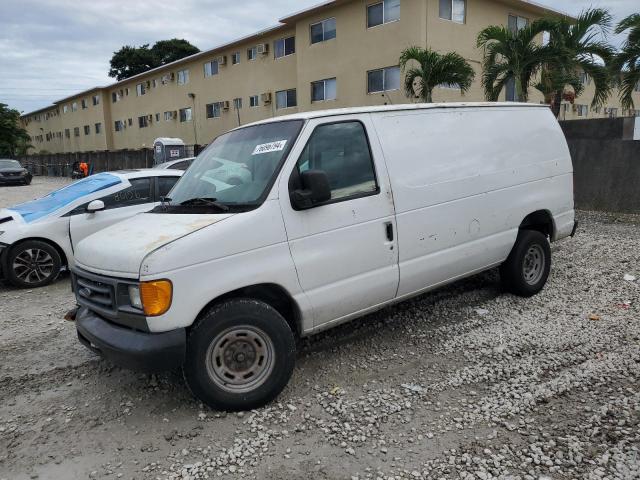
(344, 212)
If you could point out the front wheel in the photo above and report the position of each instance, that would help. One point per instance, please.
(526, 270)
(33, 264)
(240, 355)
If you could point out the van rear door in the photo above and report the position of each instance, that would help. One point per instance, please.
(345, 250)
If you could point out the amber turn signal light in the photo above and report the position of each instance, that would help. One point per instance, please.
(156, 297)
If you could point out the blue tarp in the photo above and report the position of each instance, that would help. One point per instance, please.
(58, 199)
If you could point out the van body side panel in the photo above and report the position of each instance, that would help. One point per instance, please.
(464, 179)
(246, 249)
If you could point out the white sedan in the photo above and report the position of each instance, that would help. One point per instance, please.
(37, 238)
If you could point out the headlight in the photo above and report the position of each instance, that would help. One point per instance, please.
(134, 296)
(156, 297)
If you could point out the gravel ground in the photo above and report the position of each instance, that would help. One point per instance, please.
(463, 383)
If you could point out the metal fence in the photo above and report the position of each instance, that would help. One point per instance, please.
(60, 164)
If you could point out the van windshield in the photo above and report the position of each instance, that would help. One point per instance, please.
(236, 170)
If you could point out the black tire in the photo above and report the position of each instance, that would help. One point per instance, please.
(27, 181)
(209, 352)
(43, 268)
(527, 268)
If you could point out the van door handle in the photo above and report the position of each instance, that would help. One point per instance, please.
(389, 230)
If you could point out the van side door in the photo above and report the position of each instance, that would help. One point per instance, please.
(344, 249)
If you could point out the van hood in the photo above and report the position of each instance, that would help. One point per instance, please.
(119, 250)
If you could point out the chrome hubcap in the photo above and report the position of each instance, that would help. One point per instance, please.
(33, 265)
(240, 359)
(533, 264)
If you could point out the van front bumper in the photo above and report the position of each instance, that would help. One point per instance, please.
(128, 348)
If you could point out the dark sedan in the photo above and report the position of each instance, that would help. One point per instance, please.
(12, 173)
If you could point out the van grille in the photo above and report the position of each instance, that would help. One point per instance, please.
(95, 294)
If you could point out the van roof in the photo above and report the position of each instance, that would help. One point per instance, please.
(395, 108)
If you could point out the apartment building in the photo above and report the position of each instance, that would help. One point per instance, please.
(341, 53)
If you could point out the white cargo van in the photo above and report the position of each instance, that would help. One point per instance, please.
(338, 213)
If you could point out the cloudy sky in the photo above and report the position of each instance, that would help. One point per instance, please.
(53, 48)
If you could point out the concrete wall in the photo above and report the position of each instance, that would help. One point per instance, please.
(606, 165)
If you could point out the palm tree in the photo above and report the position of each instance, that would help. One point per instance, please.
(627, 62)
(577, 46)
(434, 69)
(511, 57)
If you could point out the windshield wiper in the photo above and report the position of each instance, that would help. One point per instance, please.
(199, 201)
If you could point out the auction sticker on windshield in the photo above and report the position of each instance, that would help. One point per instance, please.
(269, 147)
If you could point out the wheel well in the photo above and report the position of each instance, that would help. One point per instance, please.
(63, 257)
(271, 294)
(541, 221)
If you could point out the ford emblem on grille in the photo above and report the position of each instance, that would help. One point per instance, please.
(85, 292)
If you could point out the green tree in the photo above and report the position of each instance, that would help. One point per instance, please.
(577, 46)
(512, 57)
(627, 62)
(167, 51)
(14, 139)
(131, 60)
(434, 69)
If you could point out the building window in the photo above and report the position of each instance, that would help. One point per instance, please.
(286, 98)
(254, 101)
(211, 68)
(454, 10)
(185, 114)
(114, 97)
(611, 112)
(237, 103)
(585, 79)
(157, 117)
(143, 121)
(83, 104)
(168, 116)
(323, 90)
(516, 23)
(323, 31)
(383, 80)
(252, 53)
(98, 127)
(76, 131)
(74, 107)
(130, 121)
(154, 83)
(65, 108)
(510, 90)
(126, 92)
(96, 100)
(67, 133)
(140, 90)
(582, 110)
(235, 58)
(383, 12)
(214, 109)
(119, 125)
(284, 47)
(183, 77)
(87, 129)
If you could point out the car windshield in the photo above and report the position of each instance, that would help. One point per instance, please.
(64, 196)
(237, 169)
(10, 164)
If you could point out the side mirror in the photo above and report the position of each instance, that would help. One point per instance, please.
(95, 206)
(315, 190)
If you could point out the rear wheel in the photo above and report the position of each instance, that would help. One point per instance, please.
(240, 355)
(33, 264)
(526, 270)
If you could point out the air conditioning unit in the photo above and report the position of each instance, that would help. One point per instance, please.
(266, 97)
(222, 60)
(262, 48)
(225, 105)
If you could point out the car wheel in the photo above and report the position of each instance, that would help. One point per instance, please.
(33, 264)
(240, 355)
(526, 270)
(27, 181)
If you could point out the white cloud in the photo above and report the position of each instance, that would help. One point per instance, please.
(52, 48)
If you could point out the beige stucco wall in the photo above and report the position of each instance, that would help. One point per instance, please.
(355, 50)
